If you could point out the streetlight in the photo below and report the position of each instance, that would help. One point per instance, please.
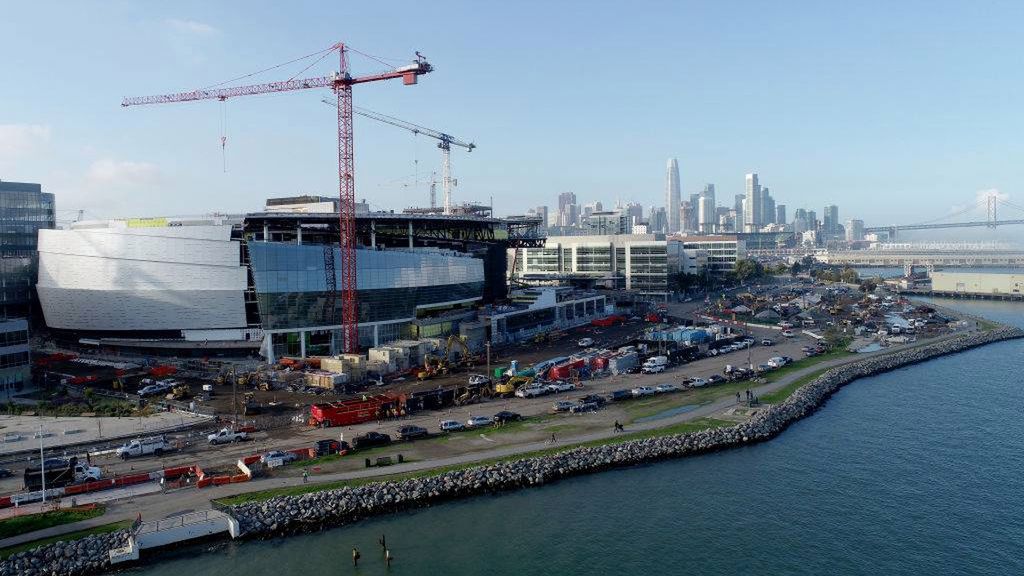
(42, 462)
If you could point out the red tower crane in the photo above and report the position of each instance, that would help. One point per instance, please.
(341, 83)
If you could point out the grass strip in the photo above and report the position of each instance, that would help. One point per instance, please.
(103, 529)
(680, 428)
(32, 522)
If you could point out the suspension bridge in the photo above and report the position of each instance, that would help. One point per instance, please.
(992, 204)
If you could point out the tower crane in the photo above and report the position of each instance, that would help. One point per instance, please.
(446, 141)
(341, 82)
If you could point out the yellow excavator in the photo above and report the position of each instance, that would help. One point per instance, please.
(509, 387)
(465, 356)
(433, 366)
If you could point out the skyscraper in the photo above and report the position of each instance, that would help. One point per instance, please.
(767, 207)
(568, 209)
(752, 206)
(854, 230)
(830, 221)
(737, 225)
(672, 197)
(706, 218)
(780, 213)
(635, 211)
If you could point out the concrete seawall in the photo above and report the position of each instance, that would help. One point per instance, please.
(315, 511)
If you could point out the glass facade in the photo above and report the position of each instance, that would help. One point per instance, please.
(291, 286)
(24, 209)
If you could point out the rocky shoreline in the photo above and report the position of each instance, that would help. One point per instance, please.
(285, 515)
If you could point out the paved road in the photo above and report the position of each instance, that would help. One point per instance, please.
(159, 506)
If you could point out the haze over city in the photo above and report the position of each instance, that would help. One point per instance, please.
(829, 104)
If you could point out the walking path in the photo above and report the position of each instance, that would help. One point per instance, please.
(157, 506)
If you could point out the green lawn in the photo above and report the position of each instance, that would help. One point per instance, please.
(680, 428)
(104, 529)
(32, 522)
(784, 392)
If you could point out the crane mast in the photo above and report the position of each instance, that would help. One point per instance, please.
(445, 144)
(341, 82)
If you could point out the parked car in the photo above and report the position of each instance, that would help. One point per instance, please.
(584, 407)
(477, 421)
(663, 388)
(715, 379)
(643, 391)
(633, 369)
(620, 395)
(451, 426)
(411, 432)
(653, 368)
(561, 386)
(532, 391)
(5, 473)
(767, 342)
(371, 439)
(787, 333)
(562, 406)
(585, 342)
(698, 383)
(330, 446)
(595, 398)
(285, 457)
(506, 416)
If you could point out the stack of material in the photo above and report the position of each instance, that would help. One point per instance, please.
(323, 379)
(623, 361)
(393, 357)
(352, 364)
(475, 335)
(414, 350)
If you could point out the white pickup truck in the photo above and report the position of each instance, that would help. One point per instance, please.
(156, 445)
(227, 435)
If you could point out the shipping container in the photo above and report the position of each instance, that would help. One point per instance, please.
(355, 411)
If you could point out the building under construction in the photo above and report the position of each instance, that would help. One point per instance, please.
(269, 281)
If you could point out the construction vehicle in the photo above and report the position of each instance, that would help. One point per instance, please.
(249, 404)
(433, 366)
(465, 357)
(508, 387)
(179, 392)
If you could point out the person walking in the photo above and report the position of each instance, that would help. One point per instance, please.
(552, 438)
(305, 475)
(355, 556)
(383, 543)
(387, 557)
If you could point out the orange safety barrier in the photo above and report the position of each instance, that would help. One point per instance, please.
(250, 459)
(176, 471)
(204, 482)
(239, 478)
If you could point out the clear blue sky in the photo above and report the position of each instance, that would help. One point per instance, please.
(896, 111)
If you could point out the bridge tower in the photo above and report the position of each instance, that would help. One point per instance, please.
(992, 202)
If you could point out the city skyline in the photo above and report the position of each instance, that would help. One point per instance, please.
(877, 161)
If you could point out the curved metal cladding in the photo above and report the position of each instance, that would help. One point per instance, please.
(146, 279)
(291, 283)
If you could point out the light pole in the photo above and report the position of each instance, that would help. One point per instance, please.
(487, 345)
(42, 462)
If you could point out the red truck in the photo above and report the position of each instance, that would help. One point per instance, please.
(354, 411)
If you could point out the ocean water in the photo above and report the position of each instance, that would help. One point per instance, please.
(917, 471)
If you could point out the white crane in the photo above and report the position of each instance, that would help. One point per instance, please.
(445, 143)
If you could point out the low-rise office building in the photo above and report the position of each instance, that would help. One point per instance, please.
(640, 262)
(537, 310)
(722, 251)
(15, 366)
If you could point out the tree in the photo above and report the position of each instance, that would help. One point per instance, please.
(747, 269)
(795, 269)
(849, 276)
(868, 286)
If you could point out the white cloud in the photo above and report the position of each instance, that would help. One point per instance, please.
(191, 27)
(19, 140)
(121, 174)
(981, 196)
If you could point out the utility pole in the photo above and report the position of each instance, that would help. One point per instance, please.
(42, 462)
(488, 346)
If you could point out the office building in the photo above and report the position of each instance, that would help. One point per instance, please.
(672, 196)
(738, 202)
(854, 230)
(752, 205)
(568, 210)
(15, 365)
(767, 207)
(636, 212)
(24, 210)
(658, 221)
(780, 214)
(541, 309)
(830, 222)
(721, 251)
(640, 262)
(608, 222)
(707, 218)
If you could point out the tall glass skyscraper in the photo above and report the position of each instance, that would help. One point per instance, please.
(752, 209)
(672, 196)
(24, 209)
